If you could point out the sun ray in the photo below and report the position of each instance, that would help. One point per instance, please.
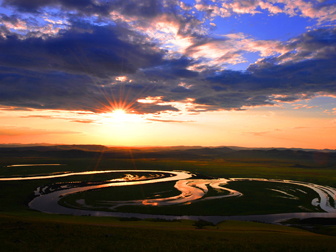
(118, 114)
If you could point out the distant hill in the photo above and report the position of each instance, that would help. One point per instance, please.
(323, 158)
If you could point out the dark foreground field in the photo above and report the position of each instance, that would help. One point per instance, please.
(69, 233)
(22, 229)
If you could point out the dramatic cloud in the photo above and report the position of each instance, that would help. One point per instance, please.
(103, 55)
(129, 8)
(323, 11)
(13, 22)
(84, 49)
(20, 131)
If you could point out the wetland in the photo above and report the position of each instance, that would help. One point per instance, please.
(54, 186)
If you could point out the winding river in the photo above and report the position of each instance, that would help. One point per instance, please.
(191, 190)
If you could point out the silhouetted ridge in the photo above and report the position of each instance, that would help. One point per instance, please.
(300, 157)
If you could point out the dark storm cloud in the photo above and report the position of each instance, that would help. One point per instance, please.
(128, 12)
(22, 88)
(316, 44)
(83, 6)
(152, 108)
(259, 85)
(172, 69)
(76, 69)
(309, 68)
(145, 8)
(58, 90)
(10, 19)
(84, 49)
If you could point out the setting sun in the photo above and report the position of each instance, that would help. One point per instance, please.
(119, 114)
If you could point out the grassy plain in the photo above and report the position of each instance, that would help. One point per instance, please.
(69, 233)
(17, 193)
(22, 229)
(259, 198)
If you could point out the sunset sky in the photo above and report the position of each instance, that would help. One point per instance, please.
(254, 73)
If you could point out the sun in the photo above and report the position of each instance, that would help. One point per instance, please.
(119, 115)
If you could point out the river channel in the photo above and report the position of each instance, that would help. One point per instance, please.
(191, 189)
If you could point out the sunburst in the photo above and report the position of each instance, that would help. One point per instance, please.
(119, 115)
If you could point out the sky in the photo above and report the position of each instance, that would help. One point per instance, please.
(253, 73)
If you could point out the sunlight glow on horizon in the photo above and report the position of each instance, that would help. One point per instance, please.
(259, 127)
(120, 116)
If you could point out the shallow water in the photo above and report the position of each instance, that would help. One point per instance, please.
(180, 175)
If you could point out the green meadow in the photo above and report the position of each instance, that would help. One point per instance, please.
(38, 232)
(23, 229)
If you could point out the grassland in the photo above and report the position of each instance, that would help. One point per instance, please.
(259, 198)
(17, 193)
(22, 229)
(60, 233)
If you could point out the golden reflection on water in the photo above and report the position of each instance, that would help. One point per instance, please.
(191, 189)
(20, 165)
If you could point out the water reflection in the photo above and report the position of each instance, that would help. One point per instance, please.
(20, 165)
(191, 190)
(180, 175)
(324, 192)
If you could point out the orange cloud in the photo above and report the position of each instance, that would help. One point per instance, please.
(19, 131)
